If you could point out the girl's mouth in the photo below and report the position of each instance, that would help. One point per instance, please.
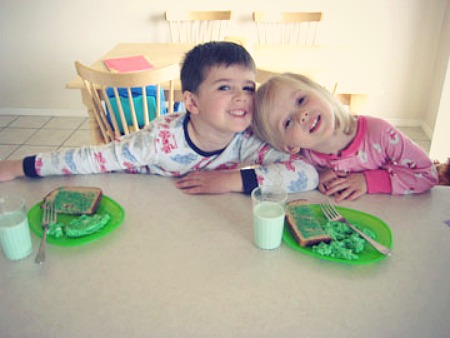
(315, 125)
(238, 113)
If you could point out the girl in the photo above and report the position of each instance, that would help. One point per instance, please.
(355, 155)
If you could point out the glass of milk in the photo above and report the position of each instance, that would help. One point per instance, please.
(15, 238)
(269, 211)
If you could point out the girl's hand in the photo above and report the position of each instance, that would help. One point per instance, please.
(349, 187)
(325, 178)
(210, 182)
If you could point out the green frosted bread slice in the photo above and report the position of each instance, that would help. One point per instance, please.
(72, 202)
(75, 200)
(303, 225)
(86, 225)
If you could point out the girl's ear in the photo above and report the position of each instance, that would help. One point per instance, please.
(190, 102)
(292, 150)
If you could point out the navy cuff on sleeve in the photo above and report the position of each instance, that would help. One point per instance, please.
(28, 166)
(249, 180)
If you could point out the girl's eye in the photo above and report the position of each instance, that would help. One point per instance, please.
(287, 123)
(249, 89)
(224, 87)
(301, 100)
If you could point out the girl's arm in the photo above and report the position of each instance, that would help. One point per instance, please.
(406, 169)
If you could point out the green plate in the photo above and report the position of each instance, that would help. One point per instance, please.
(106, 205)
(362, 220)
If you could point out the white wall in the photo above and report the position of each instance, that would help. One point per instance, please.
(41, 39)
(440, 149)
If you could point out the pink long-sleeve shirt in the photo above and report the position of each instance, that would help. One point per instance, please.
(391, 162)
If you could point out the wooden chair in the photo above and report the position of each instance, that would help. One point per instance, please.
(197, 26)
(126, 102)
(299, 28)
(262, 75)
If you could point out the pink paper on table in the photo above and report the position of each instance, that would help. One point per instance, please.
(128, 64)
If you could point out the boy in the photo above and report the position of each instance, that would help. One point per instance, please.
(203, 148)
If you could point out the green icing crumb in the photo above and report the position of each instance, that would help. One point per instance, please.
(56, 230)
(79, 226)
(86, 225)
(346, 243)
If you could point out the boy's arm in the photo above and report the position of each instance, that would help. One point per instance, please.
(293, 174)
(273, 167)
(211, 182)
(11, 169)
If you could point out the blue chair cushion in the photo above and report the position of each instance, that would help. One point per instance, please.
(136, 93)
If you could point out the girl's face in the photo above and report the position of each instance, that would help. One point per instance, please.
(301, 117)
(225, 99)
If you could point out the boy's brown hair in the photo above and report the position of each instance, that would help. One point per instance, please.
(204, 56)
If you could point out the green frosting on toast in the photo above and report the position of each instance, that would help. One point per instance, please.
(72, 202)
(306, 222)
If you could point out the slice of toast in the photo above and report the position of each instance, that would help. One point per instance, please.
(75, 200)
(303, 225)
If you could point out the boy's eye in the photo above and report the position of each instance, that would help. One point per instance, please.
(249, 89)
(224, 87)
(287, 123)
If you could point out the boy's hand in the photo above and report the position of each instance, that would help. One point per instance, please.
(10, 170)
(210, 182)
(348, 187)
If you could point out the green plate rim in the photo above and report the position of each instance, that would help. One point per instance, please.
(369, 255)
(106, 204)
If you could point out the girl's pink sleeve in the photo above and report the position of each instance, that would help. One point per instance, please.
(378, 181)
(409, 168)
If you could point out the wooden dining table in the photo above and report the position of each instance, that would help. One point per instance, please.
(186, 266)
(339, 68)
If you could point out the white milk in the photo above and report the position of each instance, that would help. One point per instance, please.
(268, 224)
(15, 236)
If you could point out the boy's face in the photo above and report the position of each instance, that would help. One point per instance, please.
(225, 99)
(301, 117)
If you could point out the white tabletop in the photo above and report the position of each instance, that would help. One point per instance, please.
(186, 266)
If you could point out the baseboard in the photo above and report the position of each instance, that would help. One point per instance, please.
(427, 130)
(413, 123)
(44, 112)
(405, 122)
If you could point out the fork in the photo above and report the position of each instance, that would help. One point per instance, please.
(331, 213)
(48, 217)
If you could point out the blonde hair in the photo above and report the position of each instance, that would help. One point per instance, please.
(264, 103)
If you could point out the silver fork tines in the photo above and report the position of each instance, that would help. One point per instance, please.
(331, 213)
(48, 217)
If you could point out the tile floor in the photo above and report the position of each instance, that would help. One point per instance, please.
(26, 135)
